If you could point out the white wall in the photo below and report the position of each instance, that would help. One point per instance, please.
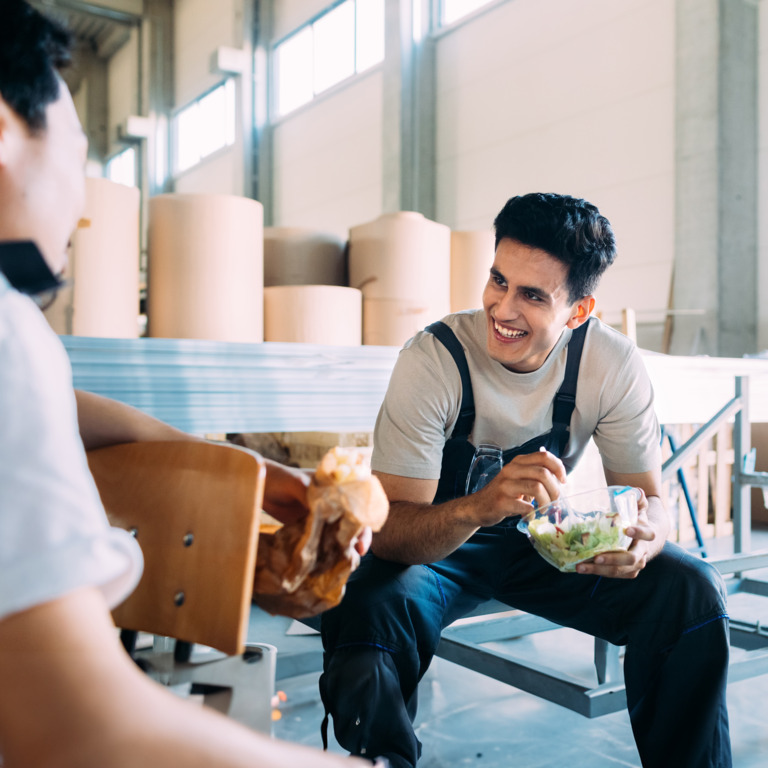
(552, 95)
(200, 27)
(290, 14)
(123, 87)
(328, 159)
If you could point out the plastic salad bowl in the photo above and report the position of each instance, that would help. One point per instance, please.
(573, 530)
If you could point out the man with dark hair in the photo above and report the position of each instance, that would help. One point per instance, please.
(69, 694)
(535, 375)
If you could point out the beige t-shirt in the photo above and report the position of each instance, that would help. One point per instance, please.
(614, 401)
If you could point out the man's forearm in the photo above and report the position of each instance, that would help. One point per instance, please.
(104, 422)
(658, 517)
(423, 533)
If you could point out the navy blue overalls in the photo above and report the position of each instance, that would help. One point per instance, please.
(381, 639)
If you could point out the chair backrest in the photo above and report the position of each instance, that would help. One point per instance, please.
(194, 508)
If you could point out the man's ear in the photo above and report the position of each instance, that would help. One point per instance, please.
(581, 311)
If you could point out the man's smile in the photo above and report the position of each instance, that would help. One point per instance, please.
(508, 333)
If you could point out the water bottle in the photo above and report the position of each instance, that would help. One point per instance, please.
(486, 464)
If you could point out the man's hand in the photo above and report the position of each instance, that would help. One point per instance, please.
(627, 565)
(527, 477)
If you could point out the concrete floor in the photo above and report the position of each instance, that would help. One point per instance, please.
(467, 719)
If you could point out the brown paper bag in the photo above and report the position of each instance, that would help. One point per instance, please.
(302, 569)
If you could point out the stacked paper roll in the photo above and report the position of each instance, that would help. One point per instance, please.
(296, 256)
(313, 314)
(103, 296)
(401, 263)
(206, 268)
(471, 260)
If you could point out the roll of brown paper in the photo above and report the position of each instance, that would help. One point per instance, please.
(313, 314)
(401, 256)
(471, 261)
(206, 268)
(103, 297)
(297, 256)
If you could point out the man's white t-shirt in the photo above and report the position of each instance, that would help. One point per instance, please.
(614, 401)
(54, 534)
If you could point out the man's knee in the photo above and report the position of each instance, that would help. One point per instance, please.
(698, 586)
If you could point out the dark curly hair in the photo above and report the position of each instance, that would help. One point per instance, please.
(568, 228)
(32, 49)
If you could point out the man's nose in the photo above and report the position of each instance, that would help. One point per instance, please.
(509, 306)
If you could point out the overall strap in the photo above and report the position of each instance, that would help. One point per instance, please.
(467, 410)
(565, 399)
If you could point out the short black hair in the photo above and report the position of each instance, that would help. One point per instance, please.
(568, 228)
(32, 49)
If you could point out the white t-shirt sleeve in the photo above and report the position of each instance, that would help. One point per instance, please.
(54, 534)
(417, 411)
(628, 434)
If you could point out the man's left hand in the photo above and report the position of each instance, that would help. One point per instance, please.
(627, 565)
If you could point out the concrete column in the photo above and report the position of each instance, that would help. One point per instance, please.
(716, 178)
(737, 177)
(409, 111)
(261, 145)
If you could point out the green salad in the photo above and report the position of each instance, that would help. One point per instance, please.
(573, 541)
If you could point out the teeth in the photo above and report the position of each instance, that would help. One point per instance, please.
(509, 334)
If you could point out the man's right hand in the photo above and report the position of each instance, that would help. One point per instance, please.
(418, 531)
(531, 476)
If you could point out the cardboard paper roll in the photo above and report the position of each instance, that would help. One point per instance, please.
(103, 298)
(295, 256)
(401, 256)
(313, 314)
(391, 322)
(206, 268)
(471, 260)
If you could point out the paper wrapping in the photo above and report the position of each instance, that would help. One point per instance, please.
(206, 268)
(302, 569)
(313, 314)
(471, 259)
(102, 298)
(297, 256)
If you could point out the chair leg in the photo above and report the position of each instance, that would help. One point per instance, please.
(249, 677)
(607, 663)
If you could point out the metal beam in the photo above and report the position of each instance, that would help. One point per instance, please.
(125, 11)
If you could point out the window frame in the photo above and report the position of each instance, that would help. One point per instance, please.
(228, 84)
(274, 103)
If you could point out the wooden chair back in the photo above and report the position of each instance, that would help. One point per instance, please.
(194, 509)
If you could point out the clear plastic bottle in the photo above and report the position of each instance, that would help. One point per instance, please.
(486, 464)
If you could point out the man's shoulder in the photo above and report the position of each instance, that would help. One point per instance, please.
(605, 340)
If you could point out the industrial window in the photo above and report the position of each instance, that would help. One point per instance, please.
(345, 40)
(453, 10)
(121, 167)
(204, 127)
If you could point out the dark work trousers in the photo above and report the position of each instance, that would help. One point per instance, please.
(380, 640)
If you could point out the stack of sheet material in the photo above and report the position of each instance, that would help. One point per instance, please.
(401, 263)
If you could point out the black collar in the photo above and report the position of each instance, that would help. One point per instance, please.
(25, 268)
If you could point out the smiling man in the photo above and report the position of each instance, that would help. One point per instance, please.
(536, 375)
